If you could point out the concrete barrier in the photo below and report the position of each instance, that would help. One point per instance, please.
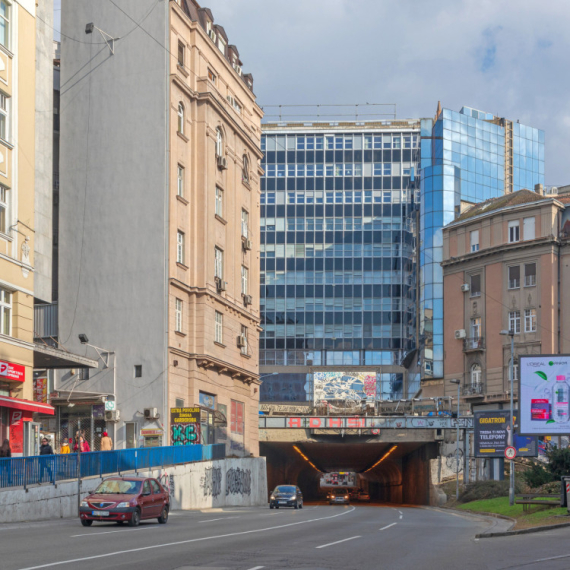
(240, 482)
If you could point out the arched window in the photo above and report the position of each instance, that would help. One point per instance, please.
(475, 375)
(180, 118)
(245, 169)
(219, 142)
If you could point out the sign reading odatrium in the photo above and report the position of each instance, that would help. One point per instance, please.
(544, 390)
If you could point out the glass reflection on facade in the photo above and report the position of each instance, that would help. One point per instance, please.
(338, 210)
(467, 156)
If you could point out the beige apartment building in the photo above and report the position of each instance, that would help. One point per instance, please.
(505, 265)
(168, 281)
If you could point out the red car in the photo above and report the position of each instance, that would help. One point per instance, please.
(130, 499)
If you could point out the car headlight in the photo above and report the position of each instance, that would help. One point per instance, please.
(84, 504)
(346, 496)
(272, 498)
(123, 505)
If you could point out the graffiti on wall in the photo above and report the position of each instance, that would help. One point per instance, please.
(211, 482)
(238, 481)
(167, 481)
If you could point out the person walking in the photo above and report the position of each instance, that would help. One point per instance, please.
(106, 442)
(64, 449)
(82, 446)
(46, 449)
(6, 471)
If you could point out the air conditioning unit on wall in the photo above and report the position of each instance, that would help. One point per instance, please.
(222, 162)
(150, 413)
(112, 415)
(465, 287)
(460, 334)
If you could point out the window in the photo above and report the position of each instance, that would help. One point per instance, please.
(178, 315)
(475, 240)
(529, 320)
(5, 312)
(244, 339)
(528, 228)
(529, 274)
(155, 488)
(244, 277)
(244, 223)
(219, 328)
(221, 44)
(237, 417)
(180, 181)
(515, 371)
(179, 403)
(212, 76)
(515, 321)
(219, 202)
(4, 23)
(514, 277)
(219, 263)
(475, 285)
(476, 328)
(3, 117)
(181, 118)
(476, 375)
(514, 231)
(219, 142)
(138, 370)
(180, 247)
(180, 53)
(83, 374)
(3, 209)
(131, 430)
(245, 169)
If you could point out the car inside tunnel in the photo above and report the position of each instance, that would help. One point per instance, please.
(393, 472)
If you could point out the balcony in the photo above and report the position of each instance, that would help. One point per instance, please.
(45, 321)
(473, 343)
(473, 389)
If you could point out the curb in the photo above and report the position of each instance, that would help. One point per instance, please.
(523, 531)
(491, 517)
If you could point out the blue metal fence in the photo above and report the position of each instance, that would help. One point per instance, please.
(24, 471)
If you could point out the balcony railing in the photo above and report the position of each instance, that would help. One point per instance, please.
(474, 343)
(473, 389)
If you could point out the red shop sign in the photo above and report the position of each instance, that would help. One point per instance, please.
(11, 371)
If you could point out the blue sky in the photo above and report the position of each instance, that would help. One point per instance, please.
(507, 57)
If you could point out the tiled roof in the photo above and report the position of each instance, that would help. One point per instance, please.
(512, 199)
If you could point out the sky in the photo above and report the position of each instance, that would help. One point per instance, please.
(507, 57)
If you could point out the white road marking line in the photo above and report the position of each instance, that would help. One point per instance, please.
(401, 512)
(257, 568)
(337, 542)
(401, 517)
(170, 544)
(112, 531)
(221, 519)
(385, 527)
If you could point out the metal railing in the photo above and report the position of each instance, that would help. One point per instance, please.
(474, 343)
(472, 389)
(25, 471)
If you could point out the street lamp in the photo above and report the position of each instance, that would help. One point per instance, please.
(458, 382)
(511, 333)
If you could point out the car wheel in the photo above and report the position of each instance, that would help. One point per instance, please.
(296, 505)
(163, 518)
(277, 506)
(270, 506)
(301, 505)
(86, 522)
(136, 518)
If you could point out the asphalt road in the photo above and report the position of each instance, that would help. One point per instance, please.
(316, 537)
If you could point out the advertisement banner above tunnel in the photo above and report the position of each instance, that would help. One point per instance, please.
(375, 424)
(339, 479)
(344, 386)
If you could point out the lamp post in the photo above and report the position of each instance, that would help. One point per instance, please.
(511, 333)
(458, 382)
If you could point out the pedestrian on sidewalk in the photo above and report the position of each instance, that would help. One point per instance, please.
(106, 442)
(46, 449)
(64, 449)
(82, 446)
(6, 471)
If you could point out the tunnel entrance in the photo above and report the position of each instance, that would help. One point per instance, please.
(391, 472)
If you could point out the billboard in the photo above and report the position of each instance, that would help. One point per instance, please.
(330, 386)
(184, 426)
(339, 479)
(544, 394)
(492, 436)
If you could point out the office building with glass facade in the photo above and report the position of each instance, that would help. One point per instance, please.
(339, 203)
(466, 157)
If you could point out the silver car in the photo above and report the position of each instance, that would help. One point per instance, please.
(339, 497)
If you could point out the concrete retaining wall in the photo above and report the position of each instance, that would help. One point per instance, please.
(224, 483)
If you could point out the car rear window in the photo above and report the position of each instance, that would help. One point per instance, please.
(118, 487)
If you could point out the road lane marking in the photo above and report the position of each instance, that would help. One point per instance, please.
(113, 531)
(385, 527)
(257, 568)
(337, 542)
(401, 517)
(221, 519)
(170, 544)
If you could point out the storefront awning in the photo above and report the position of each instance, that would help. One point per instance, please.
(65, 397)
(50, 357)
(26, 405)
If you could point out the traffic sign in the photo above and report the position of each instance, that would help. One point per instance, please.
(110, 405)
(510, 452)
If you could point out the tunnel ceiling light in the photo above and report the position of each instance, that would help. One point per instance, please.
(393, 448)
(306, 459)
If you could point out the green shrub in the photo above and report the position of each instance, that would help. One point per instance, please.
(559, 462)
(487, 490)
(537, 475)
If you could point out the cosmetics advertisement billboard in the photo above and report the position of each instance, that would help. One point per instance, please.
(544, 392)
